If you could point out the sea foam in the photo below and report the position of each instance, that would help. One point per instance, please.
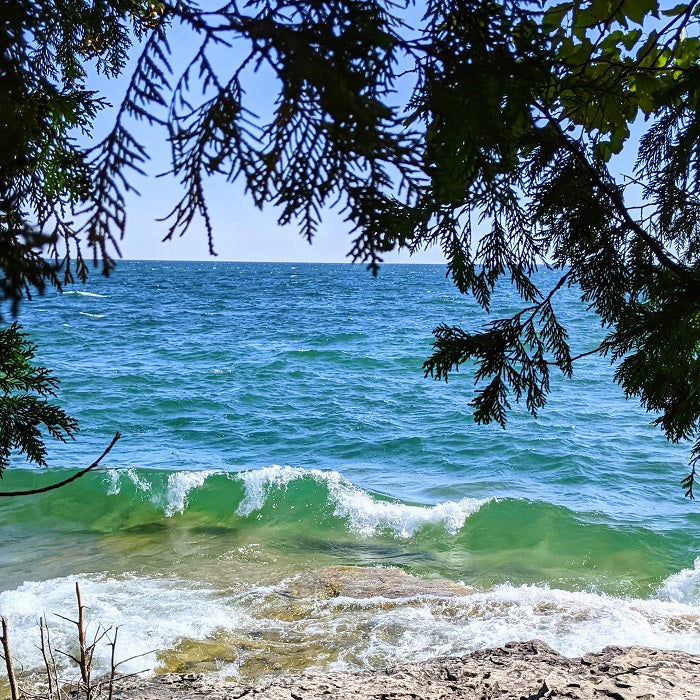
(572, 623)
(152, 615)
(360, 509)
(155, 614)
(683, 587)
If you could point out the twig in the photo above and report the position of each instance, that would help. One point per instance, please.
(57, 485)
(46, 644)
(85, 655)
(14, 693)
(112, 665)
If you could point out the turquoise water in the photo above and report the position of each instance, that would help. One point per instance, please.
(275, 420)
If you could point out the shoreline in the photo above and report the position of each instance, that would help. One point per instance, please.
(517, 671)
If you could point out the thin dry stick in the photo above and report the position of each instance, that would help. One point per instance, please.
(14, 693)
(54, 665)
(113, 665)
(85, 656)
(47, 665)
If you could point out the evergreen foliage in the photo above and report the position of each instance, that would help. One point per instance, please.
(24, 406)
(505, 153)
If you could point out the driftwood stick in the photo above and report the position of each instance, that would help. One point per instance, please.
(14, 693)
(82, 472)
(54, 665)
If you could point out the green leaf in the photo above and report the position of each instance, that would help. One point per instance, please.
(630, 38)
(637, 10)
(680, 9)
(554, 16)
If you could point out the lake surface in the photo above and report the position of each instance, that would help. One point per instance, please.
(276, 420)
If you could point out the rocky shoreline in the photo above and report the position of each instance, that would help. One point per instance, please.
(517, 671)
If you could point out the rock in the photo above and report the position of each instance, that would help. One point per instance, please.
(518, 671)
(360, 582)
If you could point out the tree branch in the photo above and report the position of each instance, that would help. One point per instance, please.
(58, 484)
(616, 198)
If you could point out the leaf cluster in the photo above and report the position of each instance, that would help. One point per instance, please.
(46, 48)
(547, 186)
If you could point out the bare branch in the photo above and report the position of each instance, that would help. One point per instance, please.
(82, 472)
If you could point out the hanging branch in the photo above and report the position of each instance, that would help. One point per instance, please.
(82, 472)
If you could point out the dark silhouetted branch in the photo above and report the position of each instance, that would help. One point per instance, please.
(82, 472)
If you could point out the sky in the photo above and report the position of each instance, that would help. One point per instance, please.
(241, 231)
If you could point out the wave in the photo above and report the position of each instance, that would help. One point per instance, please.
(81, 293)
(310, 512)
(292, 487)
(683, 587)
(276, 491)
(363, 512)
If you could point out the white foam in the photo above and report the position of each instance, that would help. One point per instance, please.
(180, 484)
(173, 499)
(114, 477)
(152, 615)
(570, 622)
(578, 622)
(86, 294)
(683, 587)
(84, 313)
(259, 483)
(155, 613)
(363, 513)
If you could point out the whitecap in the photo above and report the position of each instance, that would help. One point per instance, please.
(114, 477)
(180, 484)
(259, 482)
(683, 587)
(366, 515)
(363, 513)
(84, 313)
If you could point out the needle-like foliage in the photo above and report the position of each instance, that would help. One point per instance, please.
(25, 410)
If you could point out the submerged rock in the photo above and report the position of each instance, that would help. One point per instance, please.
(271, 649)
(517, 671)
(359, 582)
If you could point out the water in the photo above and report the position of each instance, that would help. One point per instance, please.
(275, 421)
